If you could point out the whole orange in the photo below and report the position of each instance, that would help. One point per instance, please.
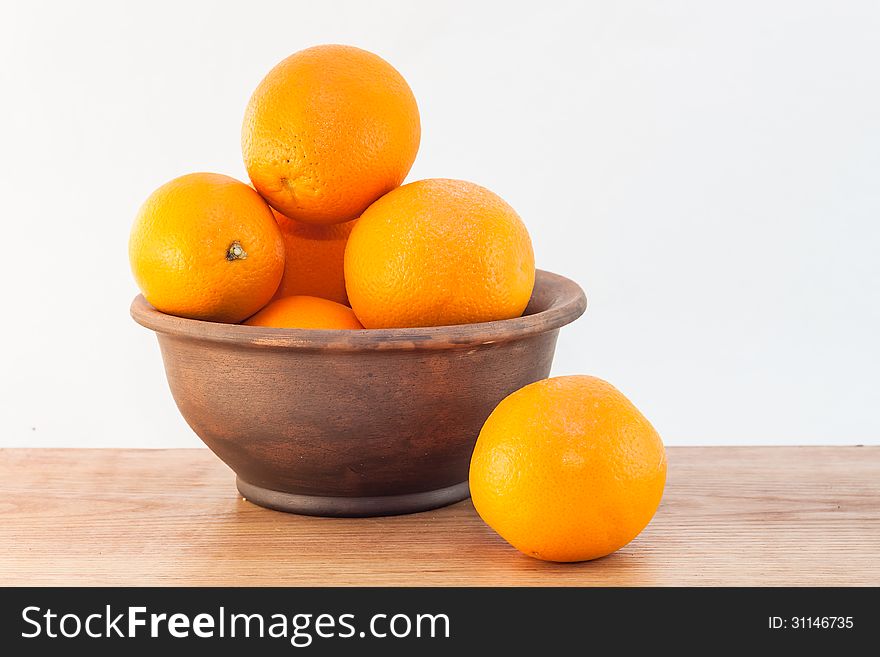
(307, 313)
(313, 259)
(567, 469)
(438, 252)
(328, 131)
(206, 246)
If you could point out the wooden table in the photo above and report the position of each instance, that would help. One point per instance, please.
(730, 516)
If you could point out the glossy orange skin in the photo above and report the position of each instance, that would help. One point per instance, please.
(328, 131)
(305, 312)
(438, 252)
(567, 469)
(206, 246)
(313, 259)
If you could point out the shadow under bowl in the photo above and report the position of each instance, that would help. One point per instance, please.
(354, 423)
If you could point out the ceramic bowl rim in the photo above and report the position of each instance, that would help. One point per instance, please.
(566, 302)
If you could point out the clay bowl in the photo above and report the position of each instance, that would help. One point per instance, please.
(354, 423)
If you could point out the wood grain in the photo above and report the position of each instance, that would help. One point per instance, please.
(730, 516)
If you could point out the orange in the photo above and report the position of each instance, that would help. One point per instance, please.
(206, 246)
(307, 313)
(313, 259)
(328, 131)
(438, 252)
(567, 469)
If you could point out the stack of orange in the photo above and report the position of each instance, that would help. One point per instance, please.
(328, 137)
(327, 238)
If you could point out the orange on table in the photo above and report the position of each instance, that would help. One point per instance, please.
(328, 131)
(305, 312)
(567, 469)
(206, 246)
(438, 252)
(313, 259)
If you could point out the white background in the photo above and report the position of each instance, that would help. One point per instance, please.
(709, 173)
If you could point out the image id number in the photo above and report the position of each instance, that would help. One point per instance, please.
(810, 623)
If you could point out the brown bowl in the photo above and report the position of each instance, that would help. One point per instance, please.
(354, 423)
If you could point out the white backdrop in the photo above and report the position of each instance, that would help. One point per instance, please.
(709, 172)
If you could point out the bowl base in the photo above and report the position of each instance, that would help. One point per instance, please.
(352, 507)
